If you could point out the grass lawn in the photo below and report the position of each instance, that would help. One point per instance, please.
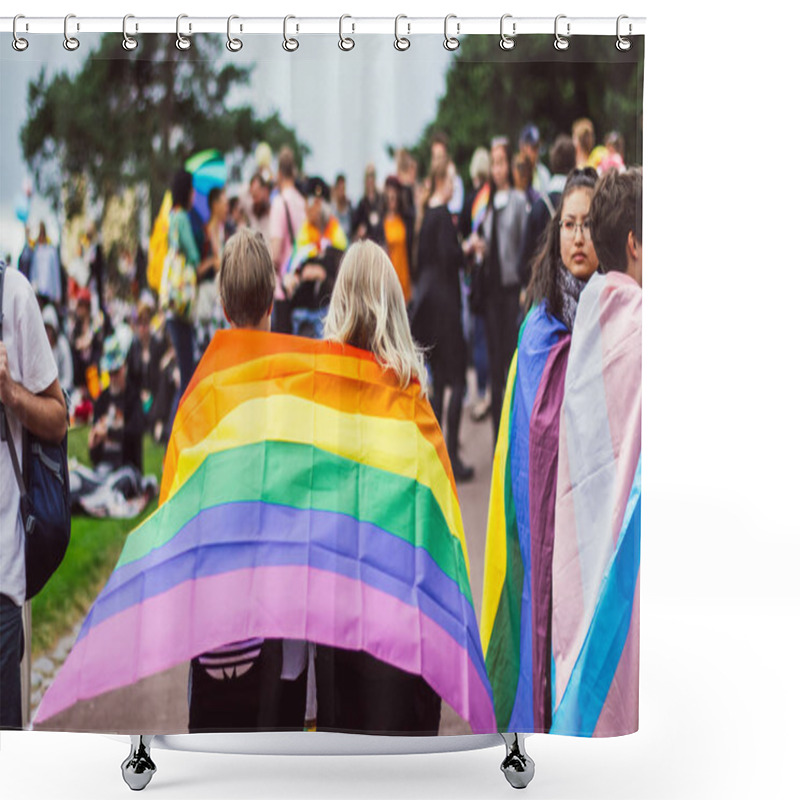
(94, 548)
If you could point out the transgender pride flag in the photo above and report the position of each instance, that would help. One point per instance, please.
(598, 516)
(307, 496)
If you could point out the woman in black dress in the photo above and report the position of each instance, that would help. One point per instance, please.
(436, 308)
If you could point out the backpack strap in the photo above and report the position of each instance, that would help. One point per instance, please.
(3, 419)
(2, 408)
(549, 203)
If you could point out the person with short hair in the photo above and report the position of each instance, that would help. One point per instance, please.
(241, 685)
(617, 219)
(598, 490)
(32, 397)
(529, 145)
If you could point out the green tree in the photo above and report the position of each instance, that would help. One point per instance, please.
(491, 92)
(129, 119)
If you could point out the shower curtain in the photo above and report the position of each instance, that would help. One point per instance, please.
(330, 547)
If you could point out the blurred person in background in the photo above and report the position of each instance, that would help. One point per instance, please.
(115, 438)
(60, 347)
(562, 160)
(399, 238)
(498, 246)
(45, 275)
(436, 309)
(208, 309)
(341, 206)
(368, 216)
(288, 216)
(440, 154)
(529, 143)
(320, 244)
(583, 139)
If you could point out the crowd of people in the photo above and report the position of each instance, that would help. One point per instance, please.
(470, 262)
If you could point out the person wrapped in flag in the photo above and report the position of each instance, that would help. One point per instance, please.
(357, 691)
(518, 582)
(310, 273)
(595, 640)
(307, 497)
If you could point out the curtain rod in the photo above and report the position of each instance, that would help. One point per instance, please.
(348, 25)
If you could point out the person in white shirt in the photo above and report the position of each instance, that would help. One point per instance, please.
(31, 396)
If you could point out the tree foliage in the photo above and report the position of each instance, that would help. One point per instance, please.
(130, 119)
(490, 92)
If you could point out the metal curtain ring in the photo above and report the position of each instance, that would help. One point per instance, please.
(622, 43)
(289, 45)
(234, 45)
(345, 42)
(401, 42)
(128, 42)
(70, 42)
(450, 42)
(18, 43)
(181, 41)
(507, 42)
(561, 43)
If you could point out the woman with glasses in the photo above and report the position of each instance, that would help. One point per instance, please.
(527, 458)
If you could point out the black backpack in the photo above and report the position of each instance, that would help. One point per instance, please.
(44, 495)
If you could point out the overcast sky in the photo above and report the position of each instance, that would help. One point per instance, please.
(346, 106)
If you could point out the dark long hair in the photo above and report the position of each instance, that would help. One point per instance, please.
(501, 141)
(543, 285)
(181, 189)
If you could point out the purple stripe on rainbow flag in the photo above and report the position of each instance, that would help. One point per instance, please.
(396, 567)
(338, 611)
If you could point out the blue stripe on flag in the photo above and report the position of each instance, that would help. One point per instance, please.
(591, 677)
(539, 334)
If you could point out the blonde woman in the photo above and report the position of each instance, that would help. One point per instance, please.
(368, 310)
(355, 691)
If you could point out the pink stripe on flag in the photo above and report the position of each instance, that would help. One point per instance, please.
(620, 714)
(568, 610)
(198, 616)
(620, 329)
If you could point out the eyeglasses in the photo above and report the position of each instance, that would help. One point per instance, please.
(570, 228)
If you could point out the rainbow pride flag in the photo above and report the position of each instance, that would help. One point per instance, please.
(305, 495)
(595, 639)
(515, 620)
(480, 205)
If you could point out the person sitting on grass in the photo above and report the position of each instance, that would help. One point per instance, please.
(119, 422)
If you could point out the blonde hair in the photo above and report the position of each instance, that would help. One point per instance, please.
(481, 166)
(246, 278)
(368, 310)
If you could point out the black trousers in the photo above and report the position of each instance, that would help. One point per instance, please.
(357, 693)
(457, 383)
(11, 651)
(258, 700)
(502, 312)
